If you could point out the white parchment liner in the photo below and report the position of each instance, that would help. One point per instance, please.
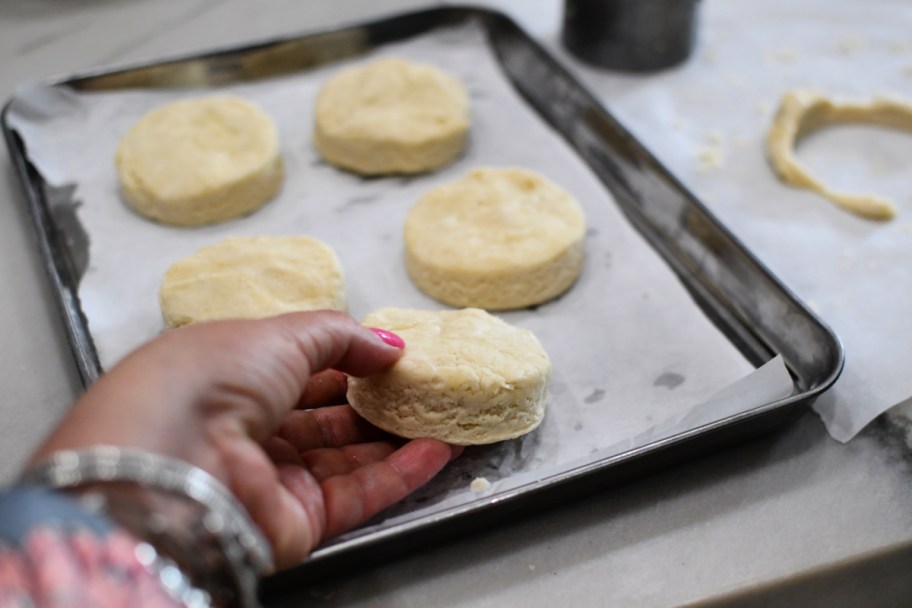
(707, 120)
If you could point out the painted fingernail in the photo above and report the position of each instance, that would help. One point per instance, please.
(389, 337)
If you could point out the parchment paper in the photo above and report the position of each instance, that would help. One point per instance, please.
(633, 356)
(707, 120)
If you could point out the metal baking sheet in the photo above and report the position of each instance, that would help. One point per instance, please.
(756, 315)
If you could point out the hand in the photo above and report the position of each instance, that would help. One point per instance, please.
(230, 397)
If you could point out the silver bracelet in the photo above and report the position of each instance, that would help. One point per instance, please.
(176, 584)
(243, 546)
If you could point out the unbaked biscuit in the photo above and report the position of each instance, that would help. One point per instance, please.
(199, 161)
(252, 277)
(391, 116)
(465, 377)
(496, 239)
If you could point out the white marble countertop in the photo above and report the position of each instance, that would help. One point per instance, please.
(794, 519)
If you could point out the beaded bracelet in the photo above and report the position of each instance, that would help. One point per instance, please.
(206, 531)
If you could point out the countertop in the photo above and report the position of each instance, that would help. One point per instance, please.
(795, 518)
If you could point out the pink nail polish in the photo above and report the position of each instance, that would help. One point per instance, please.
(389, 337)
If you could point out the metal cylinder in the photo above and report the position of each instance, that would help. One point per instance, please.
(634, 35)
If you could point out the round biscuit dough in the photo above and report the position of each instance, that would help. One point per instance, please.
(391, 116)
(252, 277)
(200, 161)
(496, 239)
(465, 377)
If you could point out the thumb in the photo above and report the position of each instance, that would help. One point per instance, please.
(266, 364)
(328, 339)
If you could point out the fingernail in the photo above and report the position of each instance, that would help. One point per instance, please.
(389, 337)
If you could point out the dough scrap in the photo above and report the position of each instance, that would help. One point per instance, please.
(496, 239)
(252, 277)
(391, 116)
(480, 485)
(465, 377)
(200, 161)
(803, 111)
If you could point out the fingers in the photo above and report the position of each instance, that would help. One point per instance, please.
(353, 498)
(299, 484)
(324, 463)
(292, 527)
(327, 427)
(324, 388)
(281, 452)
(327, 339)
(329, 441)
(308, 343)
(339, 488)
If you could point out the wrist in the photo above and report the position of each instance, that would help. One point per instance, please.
(178, 509)
(172, 525)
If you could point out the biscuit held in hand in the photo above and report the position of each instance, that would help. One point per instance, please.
(465, 377)
(222, 396)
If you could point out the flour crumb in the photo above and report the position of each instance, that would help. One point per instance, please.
(899, 47)
(479, 485)
(709, 158)
(763, 108)
(531, 567)
(813, 305)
